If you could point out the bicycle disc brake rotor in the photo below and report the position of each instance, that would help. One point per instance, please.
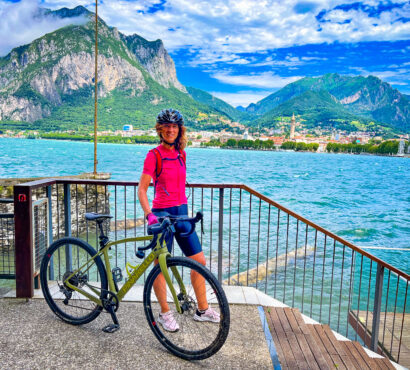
(78, 280)
(187, 303)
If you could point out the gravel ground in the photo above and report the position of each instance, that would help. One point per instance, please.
(32, 337)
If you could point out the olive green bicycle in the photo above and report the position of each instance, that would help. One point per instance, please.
(78, 283)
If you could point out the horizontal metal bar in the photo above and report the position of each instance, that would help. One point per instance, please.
(8, 276)
(6, 200)
(6, 215)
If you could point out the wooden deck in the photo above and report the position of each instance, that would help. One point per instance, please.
(305, 346)
(389, 339)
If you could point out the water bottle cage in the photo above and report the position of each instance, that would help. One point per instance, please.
(130, 269)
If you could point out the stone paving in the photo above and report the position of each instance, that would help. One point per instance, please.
(32, 337)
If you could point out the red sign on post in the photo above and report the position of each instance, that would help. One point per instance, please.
(22, 198)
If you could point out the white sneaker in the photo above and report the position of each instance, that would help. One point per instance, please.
(168, 321)
(208, 315)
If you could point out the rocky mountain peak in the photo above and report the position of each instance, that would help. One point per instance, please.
(35, 78)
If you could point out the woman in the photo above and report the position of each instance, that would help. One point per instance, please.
(170, 199)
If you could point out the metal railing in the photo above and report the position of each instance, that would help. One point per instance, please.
(248, 240)
(7, 253)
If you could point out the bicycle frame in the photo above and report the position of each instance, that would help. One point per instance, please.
(160, 252)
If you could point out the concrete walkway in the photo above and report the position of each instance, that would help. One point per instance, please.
(32, 337)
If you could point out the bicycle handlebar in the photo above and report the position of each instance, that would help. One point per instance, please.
(169, 222)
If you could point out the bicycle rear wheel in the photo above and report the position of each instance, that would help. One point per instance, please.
(61, 259)
(195, 340)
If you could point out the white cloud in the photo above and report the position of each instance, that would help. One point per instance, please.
(20, 24)
(221, 29)
(260, 80)
(243, 98)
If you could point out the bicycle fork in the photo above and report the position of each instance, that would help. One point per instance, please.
(162, 258)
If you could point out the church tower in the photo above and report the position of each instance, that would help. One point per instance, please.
(292, 127)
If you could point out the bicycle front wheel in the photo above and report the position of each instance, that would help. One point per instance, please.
(194, 337)
(62, 258)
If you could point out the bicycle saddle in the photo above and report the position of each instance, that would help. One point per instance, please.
(93, 216)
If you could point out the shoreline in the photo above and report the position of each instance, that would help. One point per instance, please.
(216, 147)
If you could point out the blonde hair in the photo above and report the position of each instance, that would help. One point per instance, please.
(181, 140)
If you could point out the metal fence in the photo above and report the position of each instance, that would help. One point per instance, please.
(7, 252)
(250, 240)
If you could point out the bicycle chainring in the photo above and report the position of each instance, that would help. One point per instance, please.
(111, 301)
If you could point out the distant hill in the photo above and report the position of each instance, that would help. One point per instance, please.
(366, 98)
(218, 104)
(49, 83)
(315, 108)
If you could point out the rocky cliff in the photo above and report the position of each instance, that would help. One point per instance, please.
(37, 78)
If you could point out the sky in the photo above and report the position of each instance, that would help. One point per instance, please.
(244, 50)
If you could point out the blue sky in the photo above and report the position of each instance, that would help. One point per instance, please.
(244, 50)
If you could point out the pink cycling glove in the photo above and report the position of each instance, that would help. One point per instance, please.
(152, 219)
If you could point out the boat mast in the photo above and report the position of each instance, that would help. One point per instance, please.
(96, 90)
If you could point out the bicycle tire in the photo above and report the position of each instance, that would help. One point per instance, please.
(194, 340)
(69, 305)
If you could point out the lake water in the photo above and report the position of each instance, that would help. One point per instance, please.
(364, 199)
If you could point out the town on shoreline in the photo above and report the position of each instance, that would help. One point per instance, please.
(319, 141)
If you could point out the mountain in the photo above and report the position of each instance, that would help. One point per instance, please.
(315, 108)
(49, 83)
(218, 104)
(364, 97)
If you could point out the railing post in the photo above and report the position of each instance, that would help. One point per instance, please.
(50, 214)
(67, 210)
(220, 232)
(377, 307)
(67, 223)
(49, 191)
(23, 236)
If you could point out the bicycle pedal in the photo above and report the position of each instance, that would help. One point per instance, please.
(116, 274)
(111, 328)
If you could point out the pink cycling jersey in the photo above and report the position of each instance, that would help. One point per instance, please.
(170, 184)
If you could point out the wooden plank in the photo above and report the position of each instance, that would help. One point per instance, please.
(275, 319)
(352, 349)
(365, 356)
(284, 320)
(336, 344)
(320, 347)
(356, 365)
(287, 350)
(337, 360)
(292, 321)
(380, 363)
(307, 352)
(319, 355)
(387, 363)
(297, 351)
(299, 319)
(326, 342)
(278, 346)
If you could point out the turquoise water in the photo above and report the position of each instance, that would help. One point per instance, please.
(364, 199)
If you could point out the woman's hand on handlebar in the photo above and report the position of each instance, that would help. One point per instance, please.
(152, 219)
